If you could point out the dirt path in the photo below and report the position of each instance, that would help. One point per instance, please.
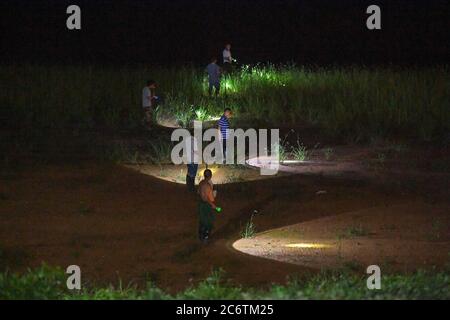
(116, 223)
(401, 237)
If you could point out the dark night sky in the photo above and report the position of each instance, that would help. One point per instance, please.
(175, 31)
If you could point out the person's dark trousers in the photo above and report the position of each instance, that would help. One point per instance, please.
(224, 150)
(148, 116)
(216, 86)
(227, 67)
(206, 220)
(203, 233)
(190, 176)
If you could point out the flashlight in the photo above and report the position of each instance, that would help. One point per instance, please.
(218, 209)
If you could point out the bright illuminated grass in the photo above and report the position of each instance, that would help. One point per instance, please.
(357, 103)
(229, 86)
(299, 152)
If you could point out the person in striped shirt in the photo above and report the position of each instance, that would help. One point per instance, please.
(224, 126)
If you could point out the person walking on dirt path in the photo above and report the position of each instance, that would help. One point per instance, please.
(148, 102)
(206, 207)
(227, 58)
(192, 162)
(224, 127)
(213, 77)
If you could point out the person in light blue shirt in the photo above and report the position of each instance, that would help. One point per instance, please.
(213, 77)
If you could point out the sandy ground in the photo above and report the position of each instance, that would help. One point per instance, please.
(401, 237)
(116, 223)
(223, 174)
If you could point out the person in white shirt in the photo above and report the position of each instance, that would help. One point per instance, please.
(148, 101)
(227, 58)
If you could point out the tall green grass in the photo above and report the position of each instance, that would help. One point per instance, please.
(356, 102)
(50, 283)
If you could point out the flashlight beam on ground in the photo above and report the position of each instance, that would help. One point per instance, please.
(308, 245)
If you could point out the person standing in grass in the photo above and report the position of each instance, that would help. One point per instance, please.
(206, 207)
(227, 58)
(148, 101)
(192, 162)
(213, 77)
(224, 127)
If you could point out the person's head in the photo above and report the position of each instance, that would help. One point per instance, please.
(151, 84)
(207, 174)
(213, 60)
(228, 46)
(227, 112)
